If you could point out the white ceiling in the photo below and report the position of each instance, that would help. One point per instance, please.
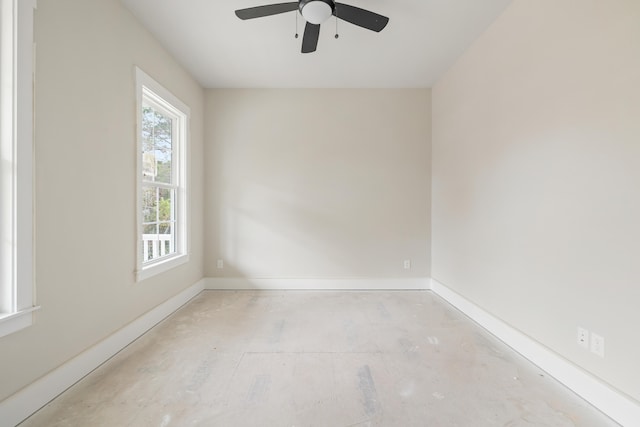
(421, 41)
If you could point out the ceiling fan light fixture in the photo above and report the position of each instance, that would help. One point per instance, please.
(316, 11)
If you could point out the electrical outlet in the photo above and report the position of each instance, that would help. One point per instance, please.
(220, 263)
(407, 264)
(597, 344)
(583, 337)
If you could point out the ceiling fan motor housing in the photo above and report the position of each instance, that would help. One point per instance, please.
(316, 11)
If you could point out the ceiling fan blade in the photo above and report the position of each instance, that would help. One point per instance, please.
(310, 38)
(360, 17)
(266, 10)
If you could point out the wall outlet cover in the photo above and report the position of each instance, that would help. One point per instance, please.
(583, 337)
(597, 344)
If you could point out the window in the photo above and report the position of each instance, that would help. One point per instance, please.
(162, 196)
(16, 168)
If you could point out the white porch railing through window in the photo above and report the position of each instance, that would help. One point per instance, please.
(155, 246)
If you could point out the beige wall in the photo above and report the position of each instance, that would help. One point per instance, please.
(536, 154)
(85, 153)
(317, 183)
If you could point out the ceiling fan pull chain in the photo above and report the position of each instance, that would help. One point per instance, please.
(337, 26)
(296, 24)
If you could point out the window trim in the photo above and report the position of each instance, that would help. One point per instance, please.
(16, 183)
(147, 87)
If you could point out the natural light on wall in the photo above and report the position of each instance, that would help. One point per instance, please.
(16, 169)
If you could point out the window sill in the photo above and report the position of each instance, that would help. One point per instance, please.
(161, 267)
(13, 322)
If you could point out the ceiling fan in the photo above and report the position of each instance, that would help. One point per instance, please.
(316, 12)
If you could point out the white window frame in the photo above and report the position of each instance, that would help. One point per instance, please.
(16, 165)
(150, 91)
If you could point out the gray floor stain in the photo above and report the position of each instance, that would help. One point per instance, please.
(259, 389)
(368, 389)
(350, 331)
(383, 311)
(199, 377)
(276, 334)
(433, 340)
(408, 347)
(253, 301)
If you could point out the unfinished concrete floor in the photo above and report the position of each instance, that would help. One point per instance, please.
(285, 358)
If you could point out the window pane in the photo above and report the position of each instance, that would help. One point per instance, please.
(162, 131)
(148, 166)
(166, 238)
(149, 248)
(165, 228)
(149, 204)
(147, 129)
(166, 205)
(150, 229)
(163, 166)
(156, 145)
(158, 238)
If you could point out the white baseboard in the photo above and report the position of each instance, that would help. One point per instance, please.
(611, 402)
(21, 405)
(234, 283)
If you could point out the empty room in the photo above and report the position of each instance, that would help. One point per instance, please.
(315, 213)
